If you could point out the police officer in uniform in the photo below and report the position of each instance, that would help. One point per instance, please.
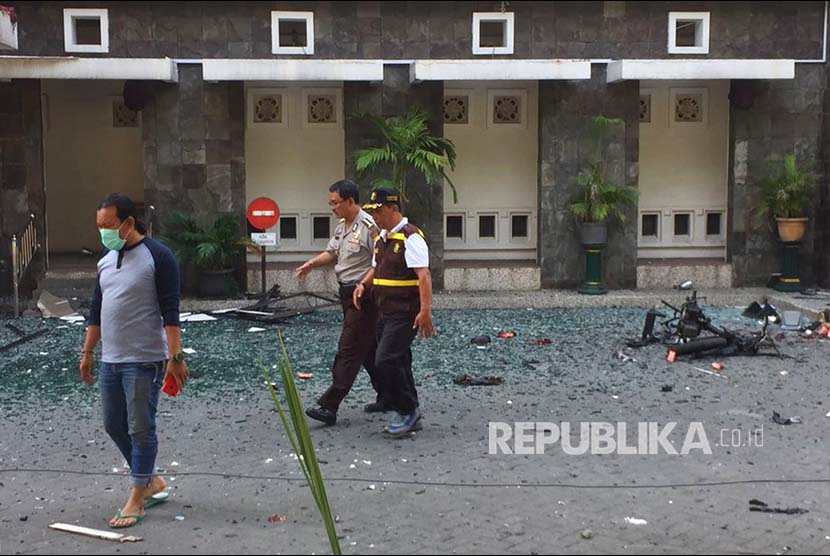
(350, 250)
(402, 292)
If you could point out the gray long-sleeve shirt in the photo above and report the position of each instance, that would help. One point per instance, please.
(136, 297)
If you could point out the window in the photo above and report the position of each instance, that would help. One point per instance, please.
(457, 109)
(86, 30)
(292, 33)
(650, 226)
(713, 224)
(645, 109)
(493, 33)
(682, 225)
(455, 226)
(288, 228)
(688, 32)
(323, 108)
(487, 226)
(268, 107)
(689, 107)
(8, 30)
(519, 226)
(321, 227)
(507, 108)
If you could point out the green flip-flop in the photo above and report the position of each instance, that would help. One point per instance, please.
(138, 519)
(156, 499)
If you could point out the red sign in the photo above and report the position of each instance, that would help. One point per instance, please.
(263, 213)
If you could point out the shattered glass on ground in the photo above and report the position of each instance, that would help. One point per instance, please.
(226, 355)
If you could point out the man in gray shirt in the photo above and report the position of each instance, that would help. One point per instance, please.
(135, 313)
(350, 250)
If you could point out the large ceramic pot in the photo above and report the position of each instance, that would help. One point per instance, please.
(791, 230)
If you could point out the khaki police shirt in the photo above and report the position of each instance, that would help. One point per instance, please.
(354, 248)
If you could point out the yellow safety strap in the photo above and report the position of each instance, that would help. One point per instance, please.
(394, 283)
(402, 237)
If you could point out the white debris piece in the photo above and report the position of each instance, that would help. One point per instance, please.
(54, 307)
(74, 318)
(198, 317)
(94, 533)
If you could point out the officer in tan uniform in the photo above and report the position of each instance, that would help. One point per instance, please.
(350, 251)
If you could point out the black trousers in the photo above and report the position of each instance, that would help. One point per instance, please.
(356, 347)
(393, 362)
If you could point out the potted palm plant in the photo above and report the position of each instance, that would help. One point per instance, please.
(407, 146)
(211, 249)
(786, 193)
(599, 201)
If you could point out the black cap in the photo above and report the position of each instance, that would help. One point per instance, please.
(382, 196)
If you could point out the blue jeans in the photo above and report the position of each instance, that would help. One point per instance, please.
(130, 395)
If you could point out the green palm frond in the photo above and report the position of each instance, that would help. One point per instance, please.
(367, 159)
(209, 248)
(299, 436)
(407, 146)
(600, 201)
(383, 183)
(787, 190)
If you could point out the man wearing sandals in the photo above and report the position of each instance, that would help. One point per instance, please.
(135, 314)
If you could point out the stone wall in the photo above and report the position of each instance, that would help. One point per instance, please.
(823, 209)
(194, 149)
(785, 117)
(394, 97)
(406, 30)
(21, 170)
(566, 109)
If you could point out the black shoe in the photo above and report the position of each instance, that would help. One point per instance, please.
(323, 415)
(377, 407)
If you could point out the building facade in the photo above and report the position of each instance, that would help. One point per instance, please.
(247, 99)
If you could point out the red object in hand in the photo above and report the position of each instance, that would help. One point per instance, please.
(170, 387)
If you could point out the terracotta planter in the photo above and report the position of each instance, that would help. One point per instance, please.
(791, 230)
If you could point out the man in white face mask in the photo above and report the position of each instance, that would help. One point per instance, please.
(135, 314)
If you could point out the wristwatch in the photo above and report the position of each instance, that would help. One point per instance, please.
(179, 357)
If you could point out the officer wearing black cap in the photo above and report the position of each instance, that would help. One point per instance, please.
(402, 292)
